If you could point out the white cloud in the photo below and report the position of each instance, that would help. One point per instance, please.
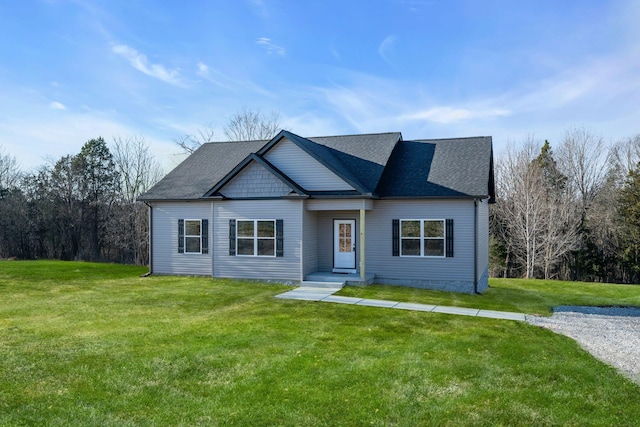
(141, 63)
(34, 132)
(613, 79)
(309, 124)
(203, 70)
(446, 115)
(415, 5)
(270, 47)
(225, 82)
(57, 105)
(335, 53)
(386, 47)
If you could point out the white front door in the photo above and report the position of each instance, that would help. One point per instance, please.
(344, 246)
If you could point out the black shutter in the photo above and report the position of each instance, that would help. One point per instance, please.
(279, 238)
(395, 237)
(181, 236)
(205, 236)
(449, 249)
(232, 237)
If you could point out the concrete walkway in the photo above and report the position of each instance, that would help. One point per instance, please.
(325, 294)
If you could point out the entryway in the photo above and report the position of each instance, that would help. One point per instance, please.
(344, 246)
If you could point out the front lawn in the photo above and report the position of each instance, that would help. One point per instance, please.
(518, 295)
(95, 344)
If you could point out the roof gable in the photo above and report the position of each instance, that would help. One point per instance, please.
(255, 177)
(311, 165)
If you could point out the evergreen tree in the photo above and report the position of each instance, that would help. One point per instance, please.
(555, 180)
(98, 186)
(629, 209)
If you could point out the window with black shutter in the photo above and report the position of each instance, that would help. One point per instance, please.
(449, 238)
(232, 237)
(181, 236)
(422, 237)
(279, 238)
(205, 236)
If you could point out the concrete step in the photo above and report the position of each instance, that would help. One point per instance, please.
(326, 277)
(321, 284)
(347, 278)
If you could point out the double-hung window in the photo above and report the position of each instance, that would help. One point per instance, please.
(256, 237)
(192, 236)
(422, 237)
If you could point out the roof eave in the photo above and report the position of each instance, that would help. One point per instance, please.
(459, 197)
(174, 200)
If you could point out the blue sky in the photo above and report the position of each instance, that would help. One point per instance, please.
(74, 70)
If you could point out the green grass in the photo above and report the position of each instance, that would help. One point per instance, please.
(518, 295)
(97, 345)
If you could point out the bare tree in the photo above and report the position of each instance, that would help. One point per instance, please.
(13, 227)
(138, 171)
(191, 142)
(61, 183)
(560, 233)
(519, 183)
(249, 125)
(624, 157)
(9, 171)
(537, 222)
(244, 125)
(583, 158)
(605, 236)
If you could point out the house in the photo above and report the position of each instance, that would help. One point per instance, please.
(370, 208)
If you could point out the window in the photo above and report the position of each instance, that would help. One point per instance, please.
(345, 243)
(193, 236)
(422, 237)
(256, 237)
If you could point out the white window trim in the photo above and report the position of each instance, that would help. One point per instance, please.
(422, 238)
(192, 235)
(256, 238)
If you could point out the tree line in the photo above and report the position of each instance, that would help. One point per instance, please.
(79, 207)
(570, 212)
(84, 206)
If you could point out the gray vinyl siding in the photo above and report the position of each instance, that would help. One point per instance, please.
(483, 245)
(455, 274)
(286, 268)
(255, 181)
(338, 204)
(303, 169)
(310, 242)
(166, 259)
(325, 236)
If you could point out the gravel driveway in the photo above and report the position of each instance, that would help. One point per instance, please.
(612, 334)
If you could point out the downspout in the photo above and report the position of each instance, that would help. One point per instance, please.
(150, 240)
(363, 274)
(303, 220)
(475, 245)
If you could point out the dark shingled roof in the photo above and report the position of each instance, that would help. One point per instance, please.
(201, 170)
(381, 165)
(358, 159)
(460, 167)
